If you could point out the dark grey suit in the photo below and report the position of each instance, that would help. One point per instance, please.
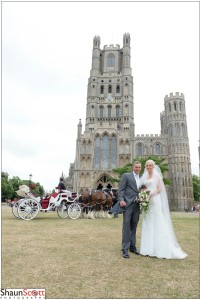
(128, 192)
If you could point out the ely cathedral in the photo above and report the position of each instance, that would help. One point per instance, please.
(109, 139)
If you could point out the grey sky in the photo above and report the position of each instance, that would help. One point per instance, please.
(46, 62)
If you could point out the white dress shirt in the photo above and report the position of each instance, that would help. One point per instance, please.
(137, 178)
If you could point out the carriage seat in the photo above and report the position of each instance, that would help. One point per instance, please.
(45, 202)
(64, 191)
(54, 195)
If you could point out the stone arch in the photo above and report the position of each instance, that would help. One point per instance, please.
(110, 60)
(139, 149)
(118, 111)
(102, 180)
(158, 148)
(102, 89)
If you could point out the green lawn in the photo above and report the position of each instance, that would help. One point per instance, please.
(82, 259)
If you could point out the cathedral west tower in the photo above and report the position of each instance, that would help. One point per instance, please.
(109, 138)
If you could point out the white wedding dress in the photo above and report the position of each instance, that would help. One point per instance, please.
(157, 236)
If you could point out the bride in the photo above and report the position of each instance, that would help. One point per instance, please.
(157, 237)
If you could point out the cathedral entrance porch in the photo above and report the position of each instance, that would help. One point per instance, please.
(103, 182)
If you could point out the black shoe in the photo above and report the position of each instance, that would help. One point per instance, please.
(134, 251)
(125, 254)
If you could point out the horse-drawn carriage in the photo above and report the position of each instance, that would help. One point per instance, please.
(93, 204)
(29, 206)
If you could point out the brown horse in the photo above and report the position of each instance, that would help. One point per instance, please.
(103, 207)
(96, 201)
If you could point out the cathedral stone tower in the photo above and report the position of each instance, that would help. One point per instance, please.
(175, 126)
(109, 139)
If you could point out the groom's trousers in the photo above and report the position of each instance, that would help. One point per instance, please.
(130, 221)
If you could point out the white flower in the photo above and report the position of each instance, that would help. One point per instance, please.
(144, 197)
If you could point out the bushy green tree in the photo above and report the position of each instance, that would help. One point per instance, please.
(160, 161)
(196, 187)
(15, 182)
(39, 190)
(9, 186)
(6, 187)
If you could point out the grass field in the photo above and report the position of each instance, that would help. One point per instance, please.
(82, 259)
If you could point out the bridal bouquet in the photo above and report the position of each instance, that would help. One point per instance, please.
(144, 198)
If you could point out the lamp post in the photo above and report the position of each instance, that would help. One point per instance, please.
(30, 177)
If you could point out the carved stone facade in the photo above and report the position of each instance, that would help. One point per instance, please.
(109, 138)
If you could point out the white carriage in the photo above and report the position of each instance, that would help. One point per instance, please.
(29, 206)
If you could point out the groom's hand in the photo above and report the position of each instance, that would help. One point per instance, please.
(122, 203)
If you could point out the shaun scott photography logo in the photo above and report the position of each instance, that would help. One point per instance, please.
(24, 294)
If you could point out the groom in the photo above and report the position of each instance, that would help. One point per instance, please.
(127, 196)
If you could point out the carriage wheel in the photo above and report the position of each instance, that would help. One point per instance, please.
(28, 209)
(15, 209)
(62, 210)
(74, 211)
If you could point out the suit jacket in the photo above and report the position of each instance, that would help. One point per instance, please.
(127, 192)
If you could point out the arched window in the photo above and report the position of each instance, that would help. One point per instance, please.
(170, 130)
(175, 106)
(109, 111)
(97, 152)
(183, 130)
(139, 150)
(113, 153)
(169, 107)
(109, 89)
(118, 113)
(158, 149)
(174, 130)
(101, 111)
(92, 111)
(117, 89)
(111, 60)
(105, 152)
(101, 89)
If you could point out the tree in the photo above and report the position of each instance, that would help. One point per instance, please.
(196, 188)
(7, 189)
(15, 182)
(39, 190)
(160, 162)
(9, 186)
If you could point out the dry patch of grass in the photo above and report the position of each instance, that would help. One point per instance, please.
(82, 259)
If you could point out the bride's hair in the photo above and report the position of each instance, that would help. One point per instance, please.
(150, 161)
(156, 168)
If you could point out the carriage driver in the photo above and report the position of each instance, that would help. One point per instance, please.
(62, 189)
(61, 185)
